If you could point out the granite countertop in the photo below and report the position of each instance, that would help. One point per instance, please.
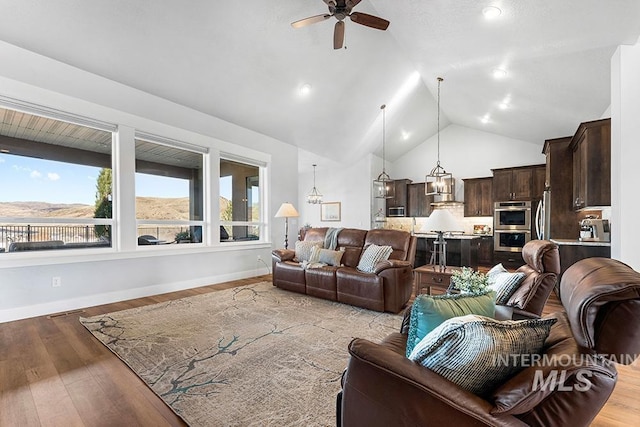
(447, 236)
(576, 242)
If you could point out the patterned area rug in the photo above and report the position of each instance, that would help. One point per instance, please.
(249, 356)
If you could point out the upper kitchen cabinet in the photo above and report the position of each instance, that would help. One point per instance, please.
(397, 206)
(520, 183)
(478, 197)
(591, 147)
(559, 178)
(419, 204)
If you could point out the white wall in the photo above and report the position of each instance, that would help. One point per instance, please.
(349, 184)
(25, 280)
(466, 153)
(625, 154)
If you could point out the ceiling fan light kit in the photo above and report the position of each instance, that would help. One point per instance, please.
(438, 181)
(340, 9)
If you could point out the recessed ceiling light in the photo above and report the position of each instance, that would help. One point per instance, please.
(503, 105)
(499, 73)
(491, 12)
(305, 89)
(485, 119)
(405, 135)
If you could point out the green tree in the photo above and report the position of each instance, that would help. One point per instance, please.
(227, 213)
(104, 206)
(103, 187)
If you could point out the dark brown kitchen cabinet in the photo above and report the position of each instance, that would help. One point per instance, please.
(591, 147)
(400, 197)
(485, 251)
(419, 204)
(539, 181)
(478, 197)
(560, 177)
(516, 183)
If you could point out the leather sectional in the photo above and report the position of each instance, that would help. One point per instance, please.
(388, 288)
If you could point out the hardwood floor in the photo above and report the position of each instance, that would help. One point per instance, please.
(54, 373)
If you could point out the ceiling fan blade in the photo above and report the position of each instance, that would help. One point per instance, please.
(310, 20)
(369, 20)
(352, 3)
(338, 35)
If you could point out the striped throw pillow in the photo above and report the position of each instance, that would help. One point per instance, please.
(479, 353)
(373, 255)
(505, 284)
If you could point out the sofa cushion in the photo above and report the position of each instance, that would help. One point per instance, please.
(504, 283)
(475, 352)
(373, 255)
(325, 256)
(428, 312)
(303, 249)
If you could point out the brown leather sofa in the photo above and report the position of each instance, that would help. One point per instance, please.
(601, 321)
(387, 289)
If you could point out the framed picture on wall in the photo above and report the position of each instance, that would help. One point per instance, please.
(330, 211)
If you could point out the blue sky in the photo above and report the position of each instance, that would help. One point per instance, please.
(30, 179)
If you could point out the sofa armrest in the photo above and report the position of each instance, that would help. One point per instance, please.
(281, 255)
(391, 263)
(382, 387)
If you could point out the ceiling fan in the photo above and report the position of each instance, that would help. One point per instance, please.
(340, 9)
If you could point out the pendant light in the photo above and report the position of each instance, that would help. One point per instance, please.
(314, 197)
(383, 187)
(438, 181)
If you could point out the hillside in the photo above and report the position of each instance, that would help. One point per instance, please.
(147, 208)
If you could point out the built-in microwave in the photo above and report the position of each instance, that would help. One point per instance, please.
(512, 216)
(395, 211)
(510, 240)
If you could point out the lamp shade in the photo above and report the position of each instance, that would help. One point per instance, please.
(441, 220)
(286, 211)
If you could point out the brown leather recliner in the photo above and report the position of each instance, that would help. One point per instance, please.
(542, 269)
(388, 288)
(381, 387)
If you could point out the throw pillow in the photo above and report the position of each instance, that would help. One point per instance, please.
(478, 353)
(303, 250)
(326, 256)
(373, 255)
(505, 284)
(428, 312)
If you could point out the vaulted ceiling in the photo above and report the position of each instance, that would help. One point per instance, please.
(243, 62)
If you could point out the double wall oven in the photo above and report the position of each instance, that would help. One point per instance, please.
(511, 225)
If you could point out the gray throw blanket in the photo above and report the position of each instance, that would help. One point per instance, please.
(331, 238)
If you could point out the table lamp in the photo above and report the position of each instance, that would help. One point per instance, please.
(441, 221)
(286, 211)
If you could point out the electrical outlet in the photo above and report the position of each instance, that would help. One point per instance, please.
(259, 258)
(56, 282)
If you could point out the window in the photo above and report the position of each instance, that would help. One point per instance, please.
(169, 193)
(240, 201)
(51, 173)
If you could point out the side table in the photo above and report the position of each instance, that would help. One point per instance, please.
(428, 276)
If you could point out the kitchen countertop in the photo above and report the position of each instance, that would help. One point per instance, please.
(452, 236)
(576, 242)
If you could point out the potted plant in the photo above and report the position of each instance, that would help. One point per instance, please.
(469, 281)
(183, 237)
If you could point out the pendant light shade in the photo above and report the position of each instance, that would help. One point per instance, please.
(383, 187)
(314, 197)
(438, 181)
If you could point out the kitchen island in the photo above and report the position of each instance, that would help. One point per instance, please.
(462, 249)
(573, 250)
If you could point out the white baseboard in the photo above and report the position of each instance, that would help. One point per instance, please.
(72, 304)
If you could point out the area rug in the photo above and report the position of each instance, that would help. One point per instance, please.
(249, 356)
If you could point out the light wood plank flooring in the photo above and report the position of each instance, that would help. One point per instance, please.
(54, 373)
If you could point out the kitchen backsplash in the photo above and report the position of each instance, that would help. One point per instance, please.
(457, 211)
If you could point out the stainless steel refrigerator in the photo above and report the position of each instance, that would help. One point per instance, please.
(543, 216)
